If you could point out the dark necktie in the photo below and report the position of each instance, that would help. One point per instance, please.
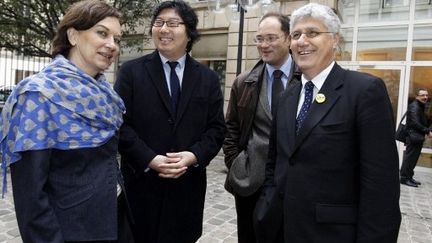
(277, 88)
(175, 86)
(309, 86)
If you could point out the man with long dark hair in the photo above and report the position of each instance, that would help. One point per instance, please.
(173, 128)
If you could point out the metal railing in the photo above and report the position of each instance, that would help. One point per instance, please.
(14, 67)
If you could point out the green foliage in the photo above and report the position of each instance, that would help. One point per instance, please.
(28, 26)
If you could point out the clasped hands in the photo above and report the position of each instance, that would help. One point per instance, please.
(172, 165)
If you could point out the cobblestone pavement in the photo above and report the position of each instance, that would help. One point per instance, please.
(220, 216)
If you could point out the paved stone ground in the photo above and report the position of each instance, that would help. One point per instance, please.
(8, 224)
(220, 217)
(220, 220)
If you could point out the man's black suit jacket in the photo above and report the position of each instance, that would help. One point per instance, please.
(337, 181)
(171, 208)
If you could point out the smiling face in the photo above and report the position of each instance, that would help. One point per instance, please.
(171, 42)
(93, 50)
(276, 52)
(313, 55)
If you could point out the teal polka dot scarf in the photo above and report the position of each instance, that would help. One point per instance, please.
(62, 108)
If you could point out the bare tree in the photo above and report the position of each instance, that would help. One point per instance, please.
(28, 26)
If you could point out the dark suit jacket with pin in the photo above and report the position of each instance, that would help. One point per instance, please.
(337, 181)
(171, 207)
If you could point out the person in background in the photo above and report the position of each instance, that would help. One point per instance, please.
(174, 127)
(253, 98)
(59, 134)
(418, 129)
(333, 159)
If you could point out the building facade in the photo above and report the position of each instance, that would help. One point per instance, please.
(388, 38)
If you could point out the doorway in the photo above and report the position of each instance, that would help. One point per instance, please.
(401, 87)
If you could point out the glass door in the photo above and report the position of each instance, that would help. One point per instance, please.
(420, 77)
(402, 88)
(393, 78)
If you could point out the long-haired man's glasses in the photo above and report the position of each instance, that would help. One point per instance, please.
(269, 39)
(309, 34)
(169, 23)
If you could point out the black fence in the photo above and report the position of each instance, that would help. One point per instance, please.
(14, 67)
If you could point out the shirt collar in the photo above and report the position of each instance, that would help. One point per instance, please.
(285, 68)
(181, 61)
(318, 80)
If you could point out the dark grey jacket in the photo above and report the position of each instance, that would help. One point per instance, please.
(67, 195)
(241, 111)
(337, 180)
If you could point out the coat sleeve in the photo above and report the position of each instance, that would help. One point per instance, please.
(378, 210)
(130, 143)
(36, 218)
(231, 146)
(206, 148)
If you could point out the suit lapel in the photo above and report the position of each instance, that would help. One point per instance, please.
(157, 76)
(318, 111)
(263, 99)
(289, 116)
(191, 76)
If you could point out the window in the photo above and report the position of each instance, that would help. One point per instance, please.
(386, 43)
(219, 66)
(423, 9)
(422, 43)
(383, 10)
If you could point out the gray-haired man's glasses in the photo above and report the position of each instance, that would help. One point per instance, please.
(309, 34)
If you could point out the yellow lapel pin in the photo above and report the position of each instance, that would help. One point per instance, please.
(320, 98)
